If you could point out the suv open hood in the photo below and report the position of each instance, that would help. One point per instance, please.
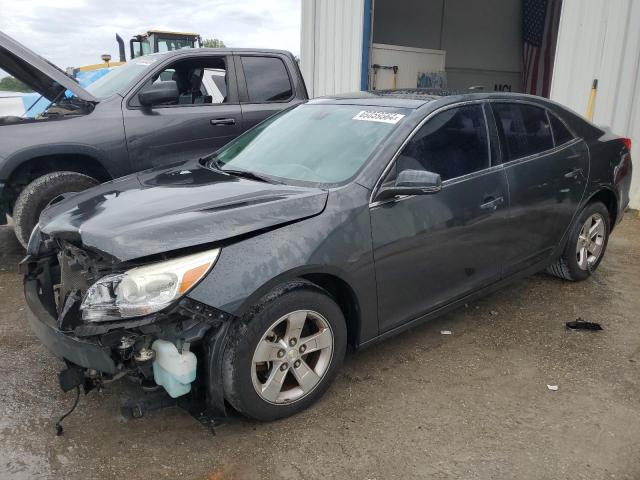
(184, 205)
(36, 72)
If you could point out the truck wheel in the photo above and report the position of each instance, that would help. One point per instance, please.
(283, 357)
(37, 195)
(586, 244)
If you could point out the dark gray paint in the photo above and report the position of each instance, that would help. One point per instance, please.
(403, 260)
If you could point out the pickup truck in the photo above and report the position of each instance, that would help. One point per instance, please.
(153, 111)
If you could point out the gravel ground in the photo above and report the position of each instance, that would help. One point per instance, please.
(473, 405)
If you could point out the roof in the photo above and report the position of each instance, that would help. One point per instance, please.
(169, 32)
(415, 97)
(218, 51)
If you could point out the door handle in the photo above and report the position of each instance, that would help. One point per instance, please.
(491, 203)
(223, 121)
(573, 173)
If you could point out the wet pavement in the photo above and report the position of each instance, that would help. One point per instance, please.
(473, 405)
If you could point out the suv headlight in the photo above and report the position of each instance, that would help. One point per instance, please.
(145, 290)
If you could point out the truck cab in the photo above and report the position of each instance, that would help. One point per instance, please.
(152, 111)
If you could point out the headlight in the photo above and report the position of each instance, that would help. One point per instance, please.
(145, 290)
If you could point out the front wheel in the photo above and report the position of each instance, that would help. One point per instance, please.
(586, 244)
(282, 358)
(37, 195)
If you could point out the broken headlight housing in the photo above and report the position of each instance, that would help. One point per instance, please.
(145, 290)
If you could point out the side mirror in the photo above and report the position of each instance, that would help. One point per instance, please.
(412, 182)
(159, 92)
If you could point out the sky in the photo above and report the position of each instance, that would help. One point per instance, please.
(77, 32)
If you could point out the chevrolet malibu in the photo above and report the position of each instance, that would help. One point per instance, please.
(242, 277)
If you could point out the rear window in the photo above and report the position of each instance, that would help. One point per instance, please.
(525, 129)
(267, 79)
(561, 133)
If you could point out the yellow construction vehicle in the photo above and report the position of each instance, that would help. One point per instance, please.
(155, 41)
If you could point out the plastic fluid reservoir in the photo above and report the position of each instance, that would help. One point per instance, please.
(173, 370)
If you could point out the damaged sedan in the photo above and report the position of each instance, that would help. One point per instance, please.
(240, 279)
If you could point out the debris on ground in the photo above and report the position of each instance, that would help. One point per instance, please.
(580, 324)
(446, 332)
(493, 312)
(552, 387)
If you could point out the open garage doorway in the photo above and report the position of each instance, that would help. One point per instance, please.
(487, 45)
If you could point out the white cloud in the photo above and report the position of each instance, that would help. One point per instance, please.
(77, 32)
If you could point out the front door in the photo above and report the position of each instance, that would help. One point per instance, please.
(431, 249)
(202, 119)
(546, 170)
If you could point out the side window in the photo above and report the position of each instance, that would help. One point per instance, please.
(560, 132)
(453, 143)
(199, 81)
(525, 129)
(267, 79)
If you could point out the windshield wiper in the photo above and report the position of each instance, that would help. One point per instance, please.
(247, 174)
(211, 162)
(215, 164)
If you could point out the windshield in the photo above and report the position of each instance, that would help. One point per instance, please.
(118, 78)
(312, 143)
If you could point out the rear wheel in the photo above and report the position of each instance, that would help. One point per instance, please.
(284, 357)
(37, 195)
(586, 244)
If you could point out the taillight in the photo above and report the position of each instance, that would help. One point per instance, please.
(627, 143)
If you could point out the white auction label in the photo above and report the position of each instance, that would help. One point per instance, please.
(384, 117)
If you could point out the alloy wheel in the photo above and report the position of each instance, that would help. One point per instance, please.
(292, 357)
(591, 241)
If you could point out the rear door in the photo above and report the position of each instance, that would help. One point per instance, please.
(547, 169)
(265, 86)
(431, 249)
(205, 117)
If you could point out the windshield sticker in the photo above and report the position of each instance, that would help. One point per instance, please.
(384, 117)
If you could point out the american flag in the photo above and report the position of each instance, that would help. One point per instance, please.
(540, 23)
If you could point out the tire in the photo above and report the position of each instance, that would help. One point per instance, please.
(570, 266)
(37, 195)
(273, 324)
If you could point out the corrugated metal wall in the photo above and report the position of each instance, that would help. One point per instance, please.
(601, 39)
(331, 45)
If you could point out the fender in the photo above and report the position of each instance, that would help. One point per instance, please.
(247, 269)
(23, 155)
(293, 274)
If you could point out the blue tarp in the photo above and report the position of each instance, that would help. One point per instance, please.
(37, 105)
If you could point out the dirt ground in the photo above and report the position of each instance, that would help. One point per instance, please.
(473, 405)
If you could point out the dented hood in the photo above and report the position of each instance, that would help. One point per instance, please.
(180, 206)
(36, 72)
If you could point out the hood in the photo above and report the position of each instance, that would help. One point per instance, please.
(36, 72)
(180, 206)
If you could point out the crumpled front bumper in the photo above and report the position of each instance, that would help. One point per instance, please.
(83, 353)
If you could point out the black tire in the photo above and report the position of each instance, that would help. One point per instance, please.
(37, 195)
(567, 266)
(245, 335)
